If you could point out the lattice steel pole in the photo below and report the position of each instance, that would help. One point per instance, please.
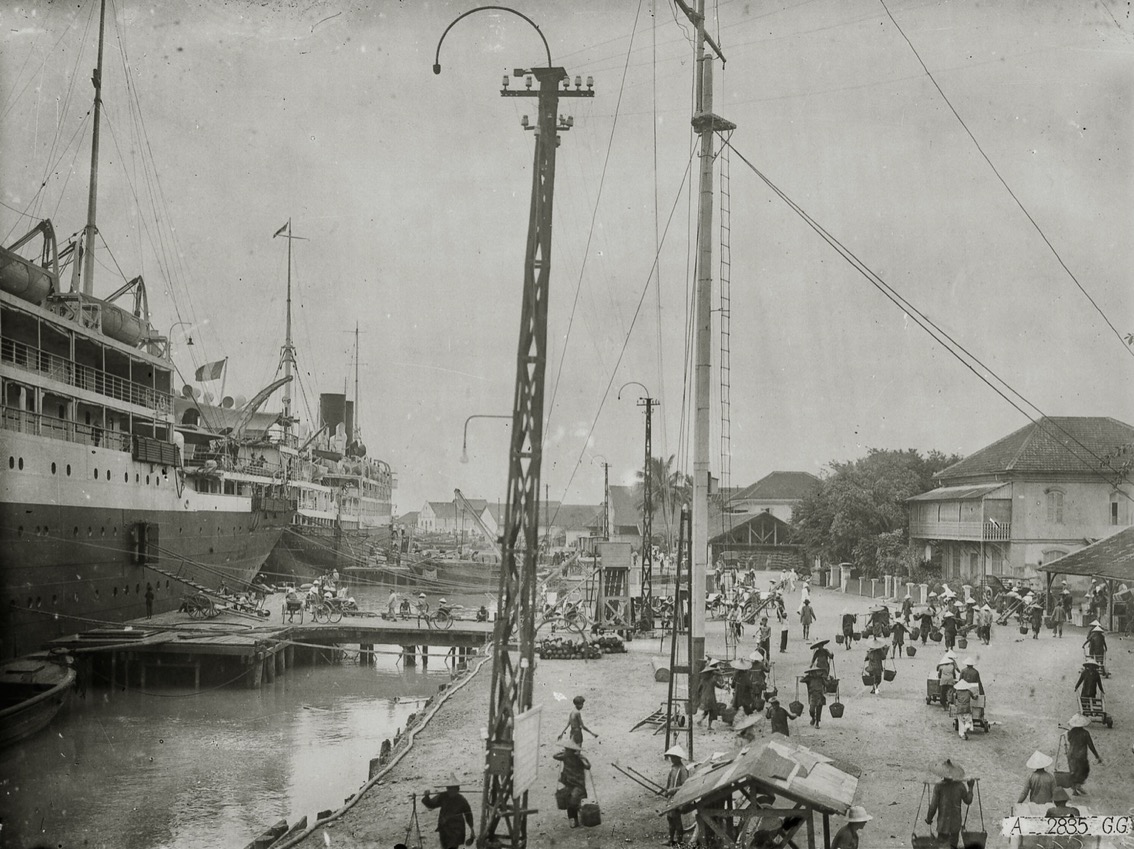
(505, 807)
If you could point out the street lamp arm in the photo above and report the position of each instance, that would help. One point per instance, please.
(437, 55)
(465, 438)
(632, 383)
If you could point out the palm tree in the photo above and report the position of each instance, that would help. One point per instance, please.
(670, 490)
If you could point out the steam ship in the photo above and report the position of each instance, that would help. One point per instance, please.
(104, 491)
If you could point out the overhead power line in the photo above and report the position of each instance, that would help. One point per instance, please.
(955, 348)
(1003, 182)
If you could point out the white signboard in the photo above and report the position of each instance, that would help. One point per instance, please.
(525, 749)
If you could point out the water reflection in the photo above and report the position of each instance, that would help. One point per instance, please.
(174, 768)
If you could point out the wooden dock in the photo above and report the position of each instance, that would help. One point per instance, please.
(241, 647)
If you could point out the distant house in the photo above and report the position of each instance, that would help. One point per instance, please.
(451, 516)
(777, 493)
(1036, 495)
(761, 541)
(624, 517)
(561, 524)
(408, 521)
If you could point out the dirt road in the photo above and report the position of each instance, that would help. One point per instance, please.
(891, 736)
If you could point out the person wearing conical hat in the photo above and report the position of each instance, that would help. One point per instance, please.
(573, 777)
(984, 627)
(925, 623)
(454, 815)
(707, 701)
(1040, 784)
(946, 677)
(962, 696)
(678, 773)
(875, 654)
(945, 802)
(1095, 644)
(1035, 614)
(1079, 742)
(821, 657)
(907, 608)
(1090, 680)
(815, 679)
(847, 836)
(970, 674)
(898, 637)
(744, 693)
(806, 617)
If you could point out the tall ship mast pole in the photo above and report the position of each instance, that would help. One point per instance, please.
(92, 197)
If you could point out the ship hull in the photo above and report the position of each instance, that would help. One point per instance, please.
(72, 555)
(304, 553)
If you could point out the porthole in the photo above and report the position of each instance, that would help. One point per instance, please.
(52, 468)
(90, 532)
(29, 601)
(137, 477)
(96, 474)
(68, 470)
(115, 593)
(126, 590)
(116, 532)
(11, 462)
(167, 584)
(102, 532)
(147, 480)
(38, 602)
(96, 592)
(21, 464)
(125, 477)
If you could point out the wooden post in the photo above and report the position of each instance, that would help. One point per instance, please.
(125, 671)
(409, 656)
(278, 656)
(289, 657)
(142, 677)
(196, 673)
(810, 829)
(826, 831)
(269, 669)
(424, 656)
(256, 673)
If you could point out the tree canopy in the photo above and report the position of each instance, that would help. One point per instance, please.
(670, 490)
(858, 514)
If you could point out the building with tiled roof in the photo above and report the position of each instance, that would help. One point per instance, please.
(1034, 496)
(777, 493)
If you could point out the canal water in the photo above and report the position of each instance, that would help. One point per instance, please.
(170, 767)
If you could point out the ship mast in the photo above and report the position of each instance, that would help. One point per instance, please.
(92, 197)
(354, 424)
(287, 355)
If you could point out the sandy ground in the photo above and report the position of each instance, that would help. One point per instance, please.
(891, 736)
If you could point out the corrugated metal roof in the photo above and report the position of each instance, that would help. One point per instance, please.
(778, 766)
(1068, 444)
(959, 493)
(1112, 557)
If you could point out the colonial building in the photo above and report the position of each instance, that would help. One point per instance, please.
(1036, 495)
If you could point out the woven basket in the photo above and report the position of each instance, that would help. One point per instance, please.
(796, 707)
(973, 839)
(889, 674)
(839, 639)
(915, 633)
(856, 635)
(590, 815)
(911, 651)
(836, 709)
(936, 637)
(962, 643)
(867, 679)
(1023, 629)
(832, 685)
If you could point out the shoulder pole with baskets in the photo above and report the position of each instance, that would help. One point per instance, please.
(974, 839)
(590, 814)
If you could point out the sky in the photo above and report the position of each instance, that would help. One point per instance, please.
(411, 192)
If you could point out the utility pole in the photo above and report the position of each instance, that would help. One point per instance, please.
(606, 501)
(504, 810)
(647, 511)
(706, 124)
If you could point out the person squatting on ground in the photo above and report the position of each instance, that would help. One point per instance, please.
(573, 778)
(455, 813)
(575, 724)
(945, 802)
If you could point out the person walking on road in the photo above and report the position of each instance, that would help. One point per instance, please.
(945, 802)
(970, 674)
(573, 777)
(1058, 618)
(925, 624)
(907, 609)
(806, 617)
(963, 708)
(454, 815)
(1095, 644)
(821, 657)
(898, 635)
(848, 628)
(847, 836)
(946, 677)
(781, 614)
(1090, 680)
(949, 628)
(764, 637)
(1079, 742)
(575, 724)
(987, 617)
(875, 654)
(1036, 616)
(815, 679)
(1040, 784)
(707, 702)
(678, 774)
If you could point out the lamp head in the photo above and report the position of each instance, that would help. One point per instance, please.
(437, 67)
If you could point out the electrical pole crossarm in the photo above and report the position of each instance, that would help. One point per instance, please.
(708, 122)
(697, 19)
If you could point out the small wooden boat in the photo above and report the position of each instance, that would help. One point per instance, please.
(33, 690)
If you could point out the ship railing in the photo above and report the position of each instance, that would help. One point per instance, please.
(24, 421)
(82, 376)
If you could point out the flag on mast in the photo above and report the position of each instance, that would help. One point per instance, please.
(281, 230)
(211, 371)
